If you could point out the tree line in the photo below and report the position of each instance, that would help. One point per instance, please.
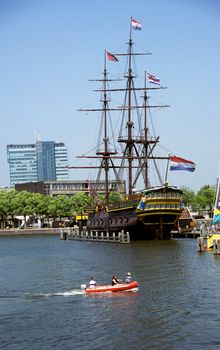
(39, 206)
(199, 201)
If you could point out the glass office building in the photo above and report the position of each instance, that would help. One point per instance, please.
(46, 165)
(61, 160)
(43, 161)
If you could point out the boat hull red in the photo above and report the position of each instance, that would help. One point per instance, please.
(121, 287)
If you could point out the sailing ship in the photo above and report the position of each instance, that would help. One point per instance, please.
(148, 214)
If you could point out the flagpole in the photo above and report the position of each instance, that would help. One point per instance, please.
(168, 161)
(130, 27)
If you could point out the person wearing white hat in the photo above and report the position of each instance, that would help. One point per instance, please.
(92, 282)
(128, 277)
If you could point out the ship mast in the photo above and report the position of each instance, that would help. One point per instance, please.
(129, 122)
(104, 151)
(131, 151)
(137, 148)
(105, 139)
(146, 180)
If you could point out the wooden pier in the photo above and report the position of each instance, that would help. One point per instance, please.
(94, 236)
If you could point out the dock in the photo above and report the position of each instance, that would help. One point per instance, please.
(185, 234)
(95, 236)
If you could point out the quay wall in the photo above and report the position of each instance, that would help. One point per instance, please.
(30, 231)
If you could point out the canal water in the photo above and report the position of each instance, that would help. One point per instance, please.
(42, 307)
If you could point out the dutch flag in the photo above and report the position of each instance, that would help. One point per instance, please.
(153, 79)
(135, 24)
(178, 163)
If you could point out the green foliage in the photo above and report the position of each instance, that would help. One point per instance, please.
(114, 197)
(188, 196)
(203, 199)
(206, 196)
(80, 202)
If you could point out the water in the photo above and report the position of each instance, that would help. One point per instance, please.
(42, 307)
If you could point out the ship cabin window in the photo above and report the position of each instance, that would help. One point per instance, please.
(171, 194)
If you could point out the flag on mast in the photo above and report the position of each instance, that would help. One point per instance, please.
(216, 216)
(135, 24)
(153, 79)
(111, 57)
(178, 163)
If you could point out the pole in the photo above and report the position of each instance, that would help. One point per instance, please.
(168, 161)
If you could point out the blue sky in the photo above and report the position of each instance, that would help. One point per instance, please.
(50, 49)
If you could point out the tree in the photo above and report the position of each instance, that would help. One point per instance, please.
(114, 197)
(80, 202)
(205, 196)
(188, 196)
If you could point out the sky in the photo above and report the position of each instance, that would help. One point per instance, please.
(51, 48)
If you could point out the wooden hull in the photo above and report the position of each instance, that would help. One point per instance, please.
(154, 220)
(157, 225)
(121, 287)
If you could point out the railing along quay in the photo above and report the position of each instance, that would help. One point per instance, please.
(84, 235)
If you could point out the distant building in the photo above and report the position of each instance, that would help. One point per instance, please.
(43, 161)
(70, 187)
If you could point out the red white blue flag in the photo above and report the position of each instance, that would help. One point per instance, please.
(111, 57)
(153, 79)
(135, 24)
(178, 163)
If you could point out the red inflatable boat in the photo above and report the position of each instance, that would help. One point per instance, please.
(120, 287)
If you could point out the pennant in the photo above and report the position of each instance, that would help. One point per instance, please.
(216, 217)
(135, 24)
(153, 79)
(111, 57)
(178, 163)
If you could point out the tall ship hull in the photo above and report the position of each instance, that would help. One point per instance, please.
(151, 217)
(152, 212)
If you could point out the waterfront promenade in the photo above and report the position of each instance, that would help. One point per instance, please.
(30, 231)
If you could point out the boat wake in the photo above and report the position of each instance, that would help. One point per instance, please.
(69, 293)
(33, 295)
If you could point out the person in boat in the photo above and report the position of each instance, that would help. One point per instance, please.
(128, 278)
(92, 282)
(115, 280)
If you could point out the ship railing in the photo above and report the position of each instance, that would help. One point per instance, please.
(125, 204)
